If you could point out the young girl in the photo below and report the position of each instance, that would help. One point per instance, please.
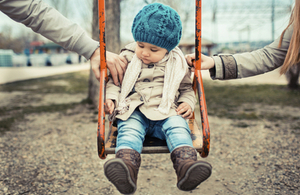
(155, 98)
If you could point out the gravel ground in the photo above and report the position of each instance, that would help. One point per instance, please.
(55, 153)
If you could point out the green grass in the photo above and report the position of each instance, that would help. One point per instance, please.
(9, 114)
(19, 113)
(77, 83)
(226, 101)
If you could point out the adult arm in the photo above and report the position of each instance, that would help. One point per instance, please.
(251, 63)
(47, 21)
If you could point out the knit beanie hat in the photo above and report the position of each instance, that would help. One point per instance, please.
(159, 25)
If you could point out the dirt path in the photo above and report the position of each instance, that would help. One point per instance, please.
(55, 153)
(12, 74)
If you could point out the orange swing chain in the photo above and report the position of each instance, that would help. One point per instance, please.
(200, 88)
(103, 78)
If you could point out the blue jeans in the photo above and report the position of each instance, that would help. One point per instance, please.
(131, 133)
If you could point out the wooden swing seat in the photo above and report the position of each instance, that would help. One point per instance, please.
(154, 145)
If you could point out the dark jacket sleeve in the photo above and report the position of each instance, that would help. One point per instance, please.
(252, 63)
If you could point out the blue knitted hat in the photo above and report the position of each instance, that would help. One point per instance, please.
(159, 25)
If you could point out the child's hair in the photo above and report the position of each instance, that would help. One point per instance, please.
(159, 25)
(292, 56)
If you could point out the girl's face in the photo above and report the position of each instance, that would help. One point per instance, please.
(149, 53)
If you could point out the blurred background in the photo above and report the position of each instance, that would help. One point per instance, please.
(227, 26)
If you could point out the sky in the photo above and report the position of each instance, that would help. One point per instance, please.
(244, 20)
(236, 20)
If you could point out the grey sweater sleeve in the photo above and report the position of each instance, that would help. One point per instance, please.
(252, 63)
(47, 21)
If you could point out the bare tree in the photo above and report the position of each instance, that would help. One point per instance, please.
(76, 10)
(85, 14)
(112, 39)
(63, 6)
(18, 42)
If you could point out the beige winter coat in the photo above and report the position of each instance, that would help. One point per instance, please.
(253, 63)
(45, 20)
(147, 92)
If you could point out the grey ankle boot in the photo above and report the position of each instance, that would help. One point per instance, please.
(123, 170)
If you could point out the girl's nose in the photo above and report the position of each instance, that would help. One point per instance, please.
(145, 53)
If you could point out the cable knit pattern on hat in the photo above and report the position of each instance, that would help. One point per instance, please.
(159, 25)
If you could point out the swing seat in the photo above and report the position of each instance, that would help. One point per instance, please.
(152, 144)
(106, 141)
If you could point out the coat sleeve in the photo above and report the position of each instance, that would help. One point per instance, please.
(186, 92)
(112, 90)
(252, 63)
(47, 21)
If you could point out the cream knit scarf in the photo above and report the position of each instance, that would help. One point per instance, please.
(175, 70)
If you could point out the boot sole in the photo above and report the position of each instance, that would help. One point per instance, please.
(194, 176)
(118, 173)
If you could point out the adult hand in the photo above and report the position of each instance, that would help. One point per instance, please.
(189, 59)
(206, 62)
(117, 66)
(115, 63)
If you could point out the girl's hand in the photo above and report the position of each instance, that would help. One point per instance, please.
(185, 110)
(109, 106)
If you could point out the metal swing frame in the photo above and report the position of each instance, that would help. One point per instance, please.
(201, 139)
